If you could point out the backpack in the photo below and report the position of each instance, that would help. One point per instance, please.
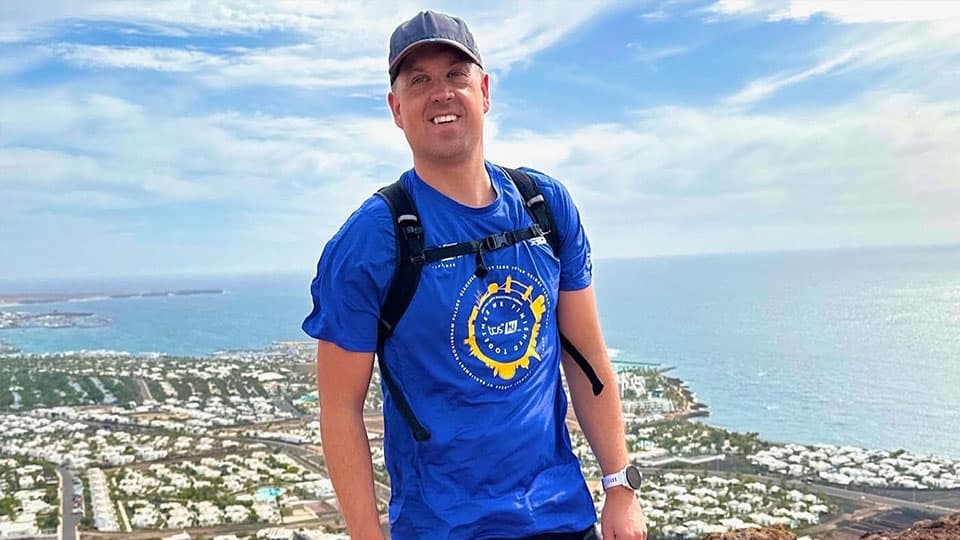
(412, 255)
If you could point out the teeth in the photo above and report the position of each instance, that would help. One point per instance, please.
(444, 119)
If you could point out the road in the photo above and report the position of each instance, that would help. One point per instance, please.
(833, 491)
(68, 520)
(208, 532)
(144, 389)
(859, 496)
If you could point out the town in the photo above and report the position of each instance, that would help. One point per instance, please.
(111, 445)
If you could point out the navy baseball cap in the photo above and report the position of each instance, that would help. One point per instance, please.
(430, 27)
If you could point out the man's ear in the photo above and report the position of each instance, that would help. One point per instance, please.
(394, 104)
(485, 90)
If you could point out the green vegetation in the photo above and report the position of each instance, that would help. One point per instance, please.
(183, 388)
(42, 383)
(156, 390)
(92, 391)
(47, 522)
(214, 493)
(50, 495)
(68, 379)
(8, 506)
(683, 438)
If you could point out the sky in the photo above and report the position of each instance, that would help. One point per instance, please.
(206, 136)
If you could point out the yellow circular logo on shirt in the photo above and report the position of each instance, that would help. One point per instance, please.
(501, 330)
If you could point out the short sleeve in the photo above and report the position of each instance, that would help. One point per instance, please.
(353, 274)
(576, 267)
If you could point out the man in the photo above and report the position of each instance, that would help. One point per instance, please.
(476, 354)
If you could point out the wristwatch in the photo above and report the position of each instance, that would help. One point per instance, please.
(629, 477)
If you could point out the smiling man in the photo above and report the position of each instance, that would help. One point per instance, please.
(472, 284)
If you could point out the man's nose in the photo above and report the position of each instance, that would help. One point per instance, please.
(441, 91)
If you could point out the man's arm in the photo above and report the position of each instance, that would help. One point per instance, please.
(600, 417)
(342, 381)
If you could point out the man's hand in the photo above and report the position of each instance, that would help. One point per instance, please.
(622, 517)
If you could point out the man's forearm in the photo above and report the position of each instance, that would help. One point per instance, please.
(346, 450)
(600, 417)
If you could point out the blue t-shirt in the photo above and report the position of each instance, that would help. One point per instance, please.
(477, 358)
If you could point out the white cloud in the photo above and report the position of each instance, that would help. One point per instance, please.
(651, 55)
(13, 36)
(882, 169)
(918, 41)
(870, 11)
(148, 58)
(174, 188)
(300, 66)
(17, 59)
(284, 183)
(665, 180)
(767, 86)
(41, 168)
(253, 16)
(513, 33)
(917, 54)
(336, 44)
(246, 159)
(844, 11)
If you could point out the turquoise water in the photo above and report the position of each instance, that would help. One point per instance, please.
(253, 312)
(269, 493)
(848, 347)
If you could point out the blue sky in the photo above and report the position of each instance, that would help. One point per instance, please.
(175, 136)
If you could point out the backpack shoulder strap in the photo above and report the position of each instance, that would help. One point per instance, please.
(406, 278)
(536, 205)
(539, 210)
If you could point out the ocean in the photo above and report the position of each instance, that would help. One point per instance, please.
(858, 347)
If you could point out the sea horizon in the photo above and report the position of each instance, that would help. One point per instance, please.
(842, 346)
(14, 285)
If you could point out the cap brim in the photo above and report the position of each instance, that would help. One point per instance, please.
(395, 65)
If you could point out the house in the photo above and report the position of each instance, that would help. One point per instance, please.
(18, 529)
(275, 533)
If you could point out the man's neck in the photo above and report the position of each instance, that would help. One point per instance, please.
(466, 182)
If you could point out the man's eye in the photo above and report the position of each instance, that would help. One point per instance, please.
(419, 79)
(457, 73)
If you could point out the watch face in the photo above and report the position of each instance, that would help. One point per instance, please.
(634, 476)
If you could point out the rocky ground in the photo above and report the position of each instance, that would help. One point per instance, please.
(766, 533)
(945, 528)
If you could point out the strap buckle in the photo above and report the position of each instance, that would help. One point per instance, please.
(495, 241)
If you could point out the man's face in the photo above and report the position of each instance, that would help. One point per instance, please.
(439, 99)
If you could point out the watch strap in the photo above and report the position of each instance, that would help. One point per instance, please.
(618, 478)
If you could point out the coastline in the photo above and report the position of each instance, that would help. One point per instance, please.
(25, 299)
(691, 407)
(677, 451)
